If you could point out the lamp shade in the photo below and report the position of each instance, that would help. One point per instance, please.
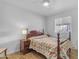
(24, 31)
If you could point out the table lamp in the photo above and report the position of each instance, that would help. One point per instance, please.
(25, 32)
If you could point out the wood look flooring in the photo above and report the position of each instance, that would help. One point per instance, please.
(35, 55)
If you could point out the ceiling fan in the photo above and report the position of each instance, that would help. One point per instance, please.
(45, 3)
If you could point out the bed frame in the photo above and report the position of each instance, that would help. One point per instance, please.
(36, 33)
(58, 46)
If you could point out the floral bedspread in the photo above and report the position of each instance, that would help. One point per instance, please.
(48, 47)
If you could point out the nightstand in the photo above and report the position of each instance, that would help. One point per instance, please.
(24, 46)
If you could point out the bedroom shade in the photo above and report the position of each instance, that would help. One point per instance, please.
(25, 31)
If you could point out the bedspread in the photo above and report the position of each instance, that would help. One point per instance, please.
(48, 47)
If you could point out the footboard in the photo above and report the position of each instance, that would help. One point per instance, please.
(58, 46)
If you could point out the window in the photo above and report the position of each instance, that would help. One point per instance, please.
(63, 25)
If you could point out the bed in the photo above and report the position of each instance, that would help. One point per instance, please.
(50, 47)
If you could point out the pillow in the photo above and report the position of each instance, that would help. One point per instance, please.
(37, 37)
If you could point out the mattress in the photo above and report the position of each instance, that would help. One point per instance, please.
(48, 47)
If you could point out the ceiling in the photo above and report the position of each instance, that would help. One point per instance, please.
(37, 7)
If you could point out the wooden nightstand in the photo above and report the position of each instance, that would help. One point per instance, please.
(24, 46)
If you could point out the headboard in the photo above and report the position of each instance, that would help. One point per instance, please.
(34, 33)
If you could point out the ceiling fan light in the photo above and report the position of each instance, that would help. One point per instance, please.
(46, 4)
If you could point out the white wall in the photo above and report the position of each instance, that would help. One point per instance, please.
(12, 21)
(50, 24)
